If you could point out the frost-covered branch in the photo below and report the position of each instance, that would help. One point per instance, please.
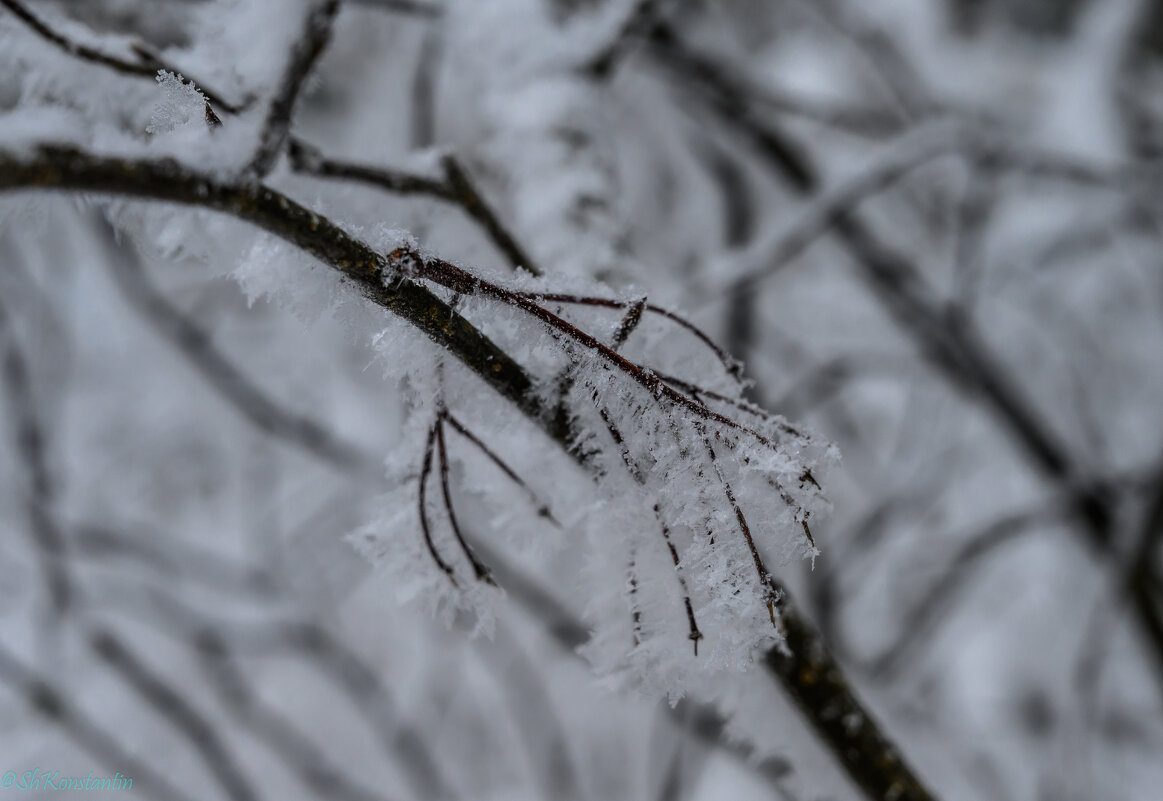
(307, 49)
(454, 187)
(146, 63)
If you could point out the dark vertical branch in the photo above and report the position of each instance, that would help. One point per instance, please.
(170, 704)
(479, 569)
(738, 225)
(464, 191)
(305, 53)
(220, 373)
(817, 684)
(423, 120)
(31, 446)
(422, 503)
(51, 703)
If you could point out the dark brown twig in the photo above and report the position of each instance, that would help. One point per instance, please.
(410, 263)
(308, 160)
(462, 189)
(455, 187)
(31, 445)
(733, 367)
(639, 477)
(422, 503)
(766, 580)
(480, 571)
(147, 65)
(304, 55)
(541, 507)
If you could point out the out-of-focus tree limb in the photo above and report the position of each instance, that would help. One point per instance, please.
(454, 187)
(304, 54)
(29, 434)
(172, 705)
(305, 638)
(51, 703)
(146, 65)
(945, 337)
(219, 372)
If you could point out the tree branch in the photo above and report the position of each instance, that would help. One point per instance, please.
(174, 707)
(220, 373)
(455, 187)
(31, 445)
(147, 65)
(51, 703)
(54, 167)
(307, 49)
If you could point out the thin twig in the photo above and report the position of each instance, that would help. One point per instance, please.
(541, 507)
(733, 367)
(147, 65)
(422, 503)
(464, 191)
(455, 187)
(170, 704)
(771, 594)
(309, 160)
(479, 569)
(305, 53)
(639, 477)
